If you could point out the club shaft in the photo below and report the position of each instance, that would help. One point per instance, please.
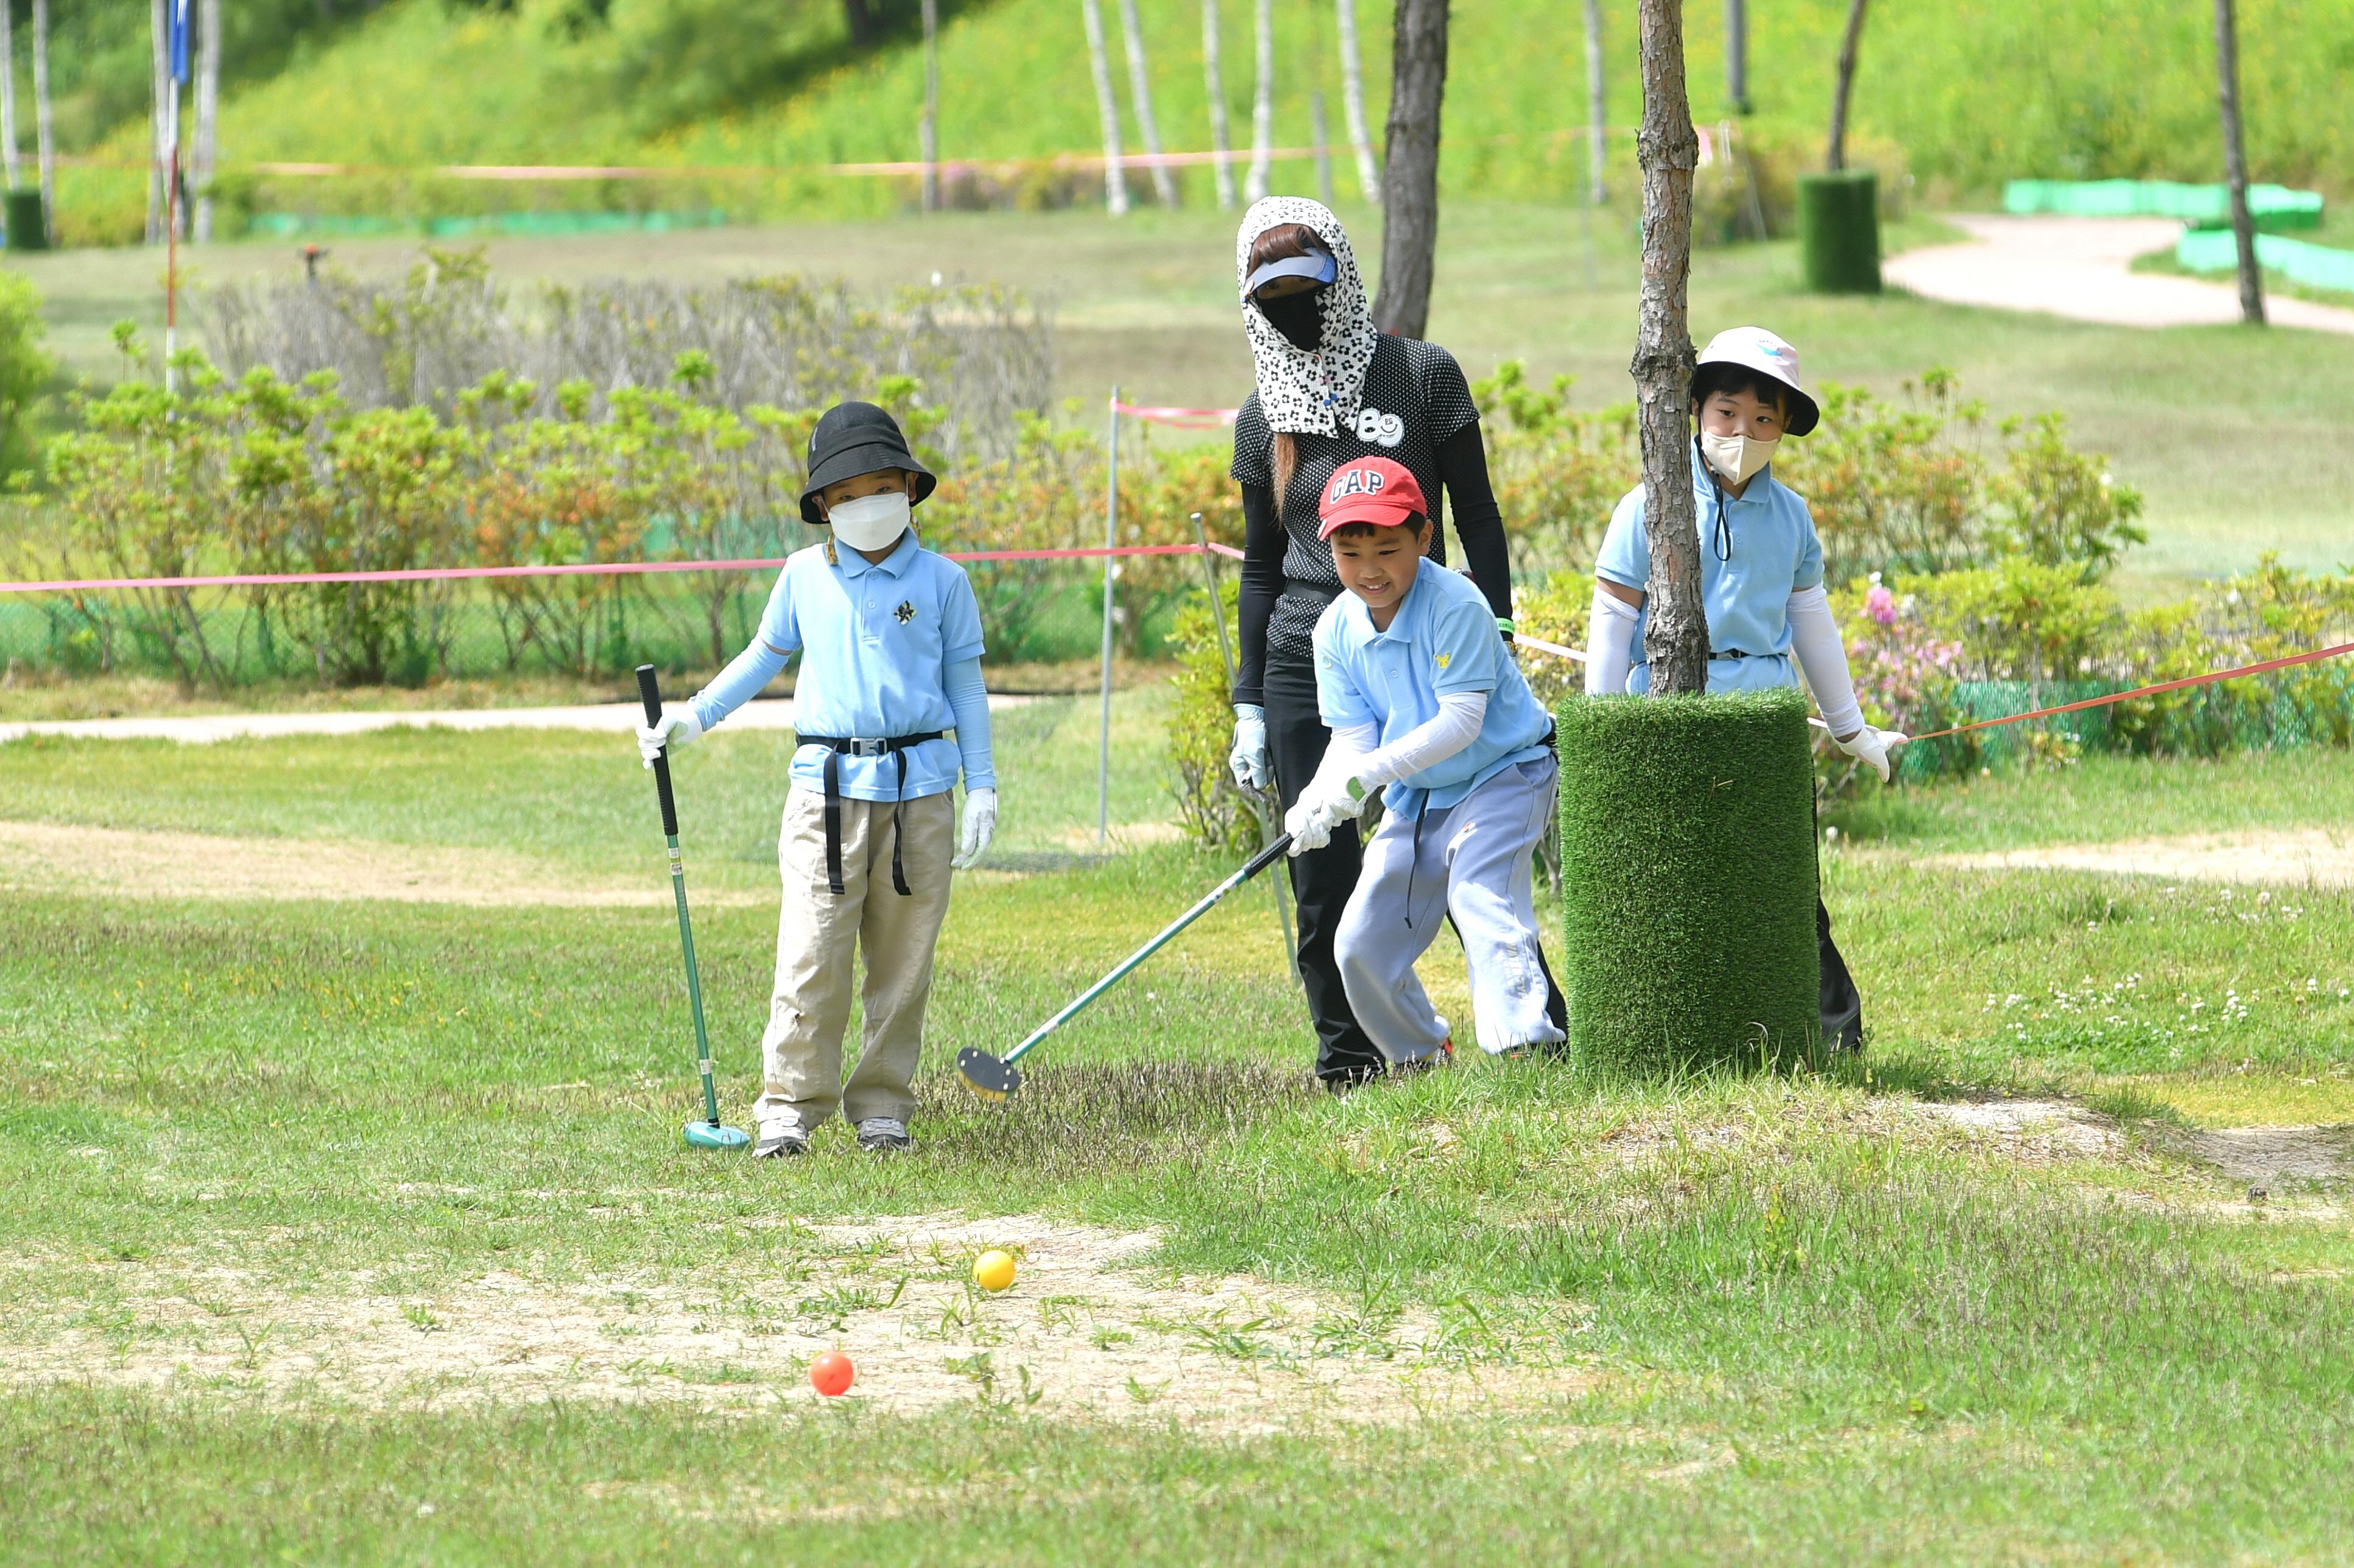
(1256, 864)
(694, 985)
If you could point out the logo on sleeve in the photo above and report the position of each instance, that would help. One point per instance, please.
(1442, 661)
(905, 612)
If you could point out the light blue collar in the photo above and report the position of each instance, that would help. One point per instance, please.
(895, 563)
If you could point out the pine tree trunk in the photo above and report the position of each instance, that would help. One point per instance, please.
(1140, 91)
(46, 142)
(1410, 180)
(859, 19)
(2235, 163)
(1352, 103)
(1262, 104)
(1597, 148)
(1835, 156)
(208, 53)
(1675, 639)
(1107, 109)
(1213, 83)
(160, 67)
(931, 125)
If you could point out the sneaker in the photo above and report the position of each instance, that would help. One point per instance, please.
(779, 1140)
(881, 1135)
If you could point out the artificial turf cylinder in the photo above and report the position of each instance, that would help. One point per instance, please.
(1688, 881)
(1839, 231)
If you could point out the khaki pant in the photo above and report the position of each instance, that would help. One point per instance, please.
(816, 932)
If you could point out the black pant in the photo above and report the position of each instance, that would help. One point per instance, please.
(1841, 1004)
(1322, 880)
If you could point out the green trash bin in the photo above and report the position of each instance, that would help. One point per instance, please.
(1839, 231)
(26, 229)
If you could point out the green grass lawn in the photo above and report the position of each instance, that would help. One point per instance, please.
(1776, 1318)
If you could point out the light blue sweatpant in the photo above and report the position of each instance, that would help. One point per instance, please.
(1475, 863)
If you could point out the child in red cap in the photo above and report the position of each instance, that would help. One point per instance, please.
(1424, 699)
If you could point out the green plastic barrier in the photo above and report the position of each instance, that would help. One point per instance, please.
(2204, 207)
(2299, 261)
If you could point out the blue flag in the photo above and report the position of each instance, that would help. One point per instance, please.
(179, 40)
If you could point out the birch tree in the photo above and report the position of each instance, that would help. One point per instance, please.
(209, 54)
(8, 98)
(1737, 55)
(45, 142)
(1352, 103)
(1107, 109)
(1140, 93)
(930, 150)
(1597, 148)
(1410, 182)
(1214, 83)
(1262, 104)
(159, 83)
(2235, 163)
(1675, 639)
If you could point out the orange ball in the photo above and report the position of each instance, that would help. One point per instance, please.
(831, 1374)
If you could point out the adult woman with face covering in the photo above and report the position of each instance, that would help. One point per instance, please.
(1331, 389)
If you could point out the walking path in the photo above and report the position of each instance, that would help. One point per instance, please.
(775, 713)
(2080, 268)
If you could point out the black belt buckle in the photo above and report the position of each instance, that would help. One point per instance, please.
(1729, 654)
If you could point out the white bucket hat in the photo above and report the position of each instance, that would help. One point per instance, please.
(1755, 348)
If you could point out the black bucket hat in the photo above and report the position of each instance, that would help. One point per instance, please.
(851, 439)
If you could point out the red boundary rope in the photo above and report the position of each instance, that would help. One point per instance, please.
(2211, 677)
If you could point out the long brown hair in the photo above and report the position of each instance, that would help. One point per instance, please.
(1281, 243)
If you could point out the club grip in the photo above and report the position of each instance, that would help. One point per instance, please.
(650, 692)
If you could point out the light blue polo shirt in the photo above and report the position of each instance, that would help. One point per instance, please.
(1774, 553)
(876, 640)
(1442, 640)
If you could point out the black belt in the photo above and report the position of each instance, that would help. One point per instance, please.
(1732, 653)
(1315, 592)
(836, 748)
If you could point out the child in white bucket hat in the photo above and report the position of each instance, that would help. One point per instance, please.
(1761, 568)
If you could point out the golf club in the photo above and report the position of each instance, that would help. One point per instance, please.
(995, 1077)
(708, 1133)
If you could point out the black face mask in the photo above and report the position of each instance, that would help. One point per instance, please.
(1298, 317)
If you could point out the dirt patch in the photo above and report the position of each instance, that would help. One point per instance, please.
(138, 862)
(2038, 1131)
(2263, 1155)
(2309, 857)
(1085, 1331)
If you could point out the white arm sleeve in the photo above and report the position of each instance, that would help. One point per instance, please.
(1455, 727)
(1815, 639)
(1609, 645)
(1347, 748)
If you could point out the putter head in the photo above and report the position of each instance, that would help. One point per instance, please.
(987, 1076)
(712, 1135)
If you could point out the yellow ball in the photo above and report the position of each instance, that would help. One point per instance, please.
(993, 1270)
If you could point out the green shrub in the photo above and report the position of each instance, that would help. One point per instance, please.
(1688, 881)
(25, 367)
(1214, 811)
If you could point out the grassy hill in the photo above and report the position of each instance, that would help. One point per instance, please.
(1973, 92)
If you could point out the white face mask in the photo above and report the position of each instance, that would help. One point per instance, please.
(1736, 457)
(871, 522)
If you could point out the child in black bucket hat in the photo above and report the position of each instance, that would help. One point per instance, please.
(890, 645)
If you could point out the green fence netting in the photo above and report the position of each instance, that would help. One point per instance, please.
(2299, 261)
(2202, 207)
(532, 225)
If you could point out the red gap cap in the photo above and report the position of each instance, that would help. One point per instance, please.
(1376, 490)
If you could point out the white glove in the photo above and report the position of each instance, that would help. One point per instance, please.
(1252, 767)
(678, 725)
(979, 826)
(1872, 745)
(1325, 804)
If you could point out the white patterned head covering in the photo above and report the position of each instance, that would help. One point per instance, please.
(1308, 394)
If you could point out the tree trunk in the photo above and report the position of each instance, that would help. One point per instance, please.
(1214, 84)
(865, 28)
(1352, 103)
(208, 53)
(1675, 639)
(1597, 146)
(160, 66)
(1737, 55)
(1835, 156)
(1107, 109)
(1262, 103)
(2235, 163)
(7, 100)
(1140, 92)
(931, 126)
(47, 142)
(1410, 180)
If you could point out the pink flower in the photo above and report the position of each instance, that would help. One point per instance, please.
(1881, 605)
